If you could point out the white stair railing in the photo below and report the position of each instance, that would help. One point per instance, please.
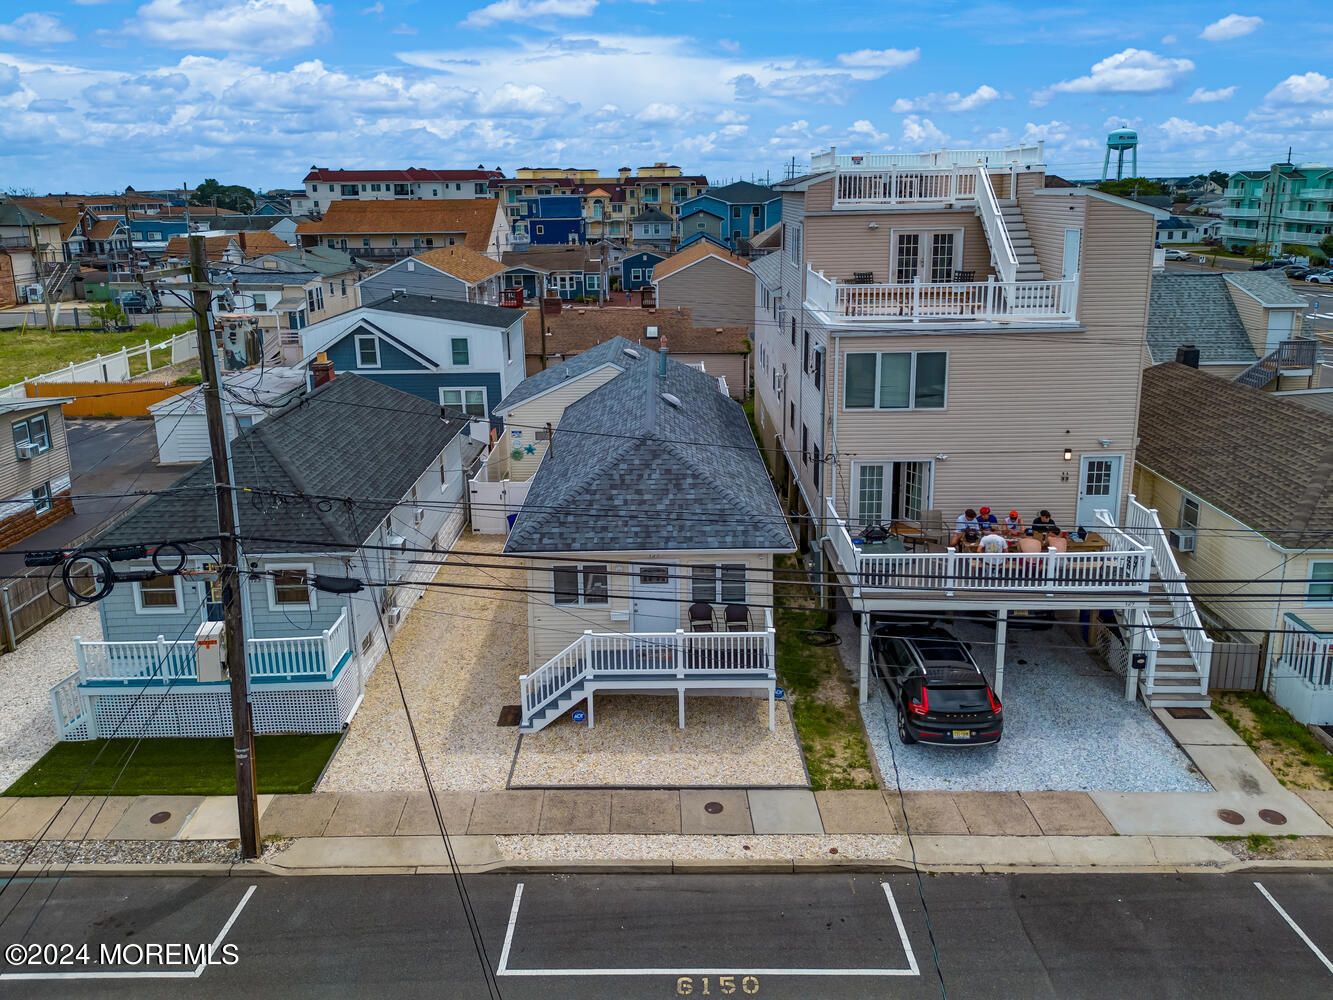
(1002, 247)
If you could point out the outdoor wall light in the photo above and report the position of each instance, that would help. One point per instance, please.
(941, 457)
(872, 224)
(1069, 454)
(1104, 442)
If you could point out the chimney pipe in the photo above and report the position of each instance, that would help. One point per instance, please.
(661, 361)
(1188, 354)
(322, 369)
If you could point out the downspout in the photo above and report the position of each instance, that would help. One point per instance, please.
(1277, 611)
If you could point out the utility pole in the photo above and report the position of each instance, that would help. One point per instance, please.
(37, 270)
(230, 574)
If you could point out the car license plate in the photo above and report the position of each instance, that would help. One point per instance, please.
(962, 734)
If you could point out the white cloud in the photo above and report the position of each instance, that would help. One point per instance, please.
(1132, 71)
(1052, 131)
(922, 133)
(1184, 130)
(1168, 39)
(659, 113)
(522, 10)
(375, 8)
(1302, 88)
(1201, 96)
(260, 26)
(879, 58)
(1229, 27)
(952, 101)
(36, 29)
(9, 79)
(729, 44)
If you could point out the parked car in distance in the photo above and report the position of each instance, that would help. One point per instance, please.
(1268, 265)
(1173, 254)
(1324, 277)
(133, 301)
(937, 691)
(1299, 272)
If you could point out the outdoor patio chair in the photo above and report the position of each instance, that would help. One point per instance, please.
(863, 277)
(701, 618)
(964, 277)
(738, 618)
(932, 527)
(874, 533)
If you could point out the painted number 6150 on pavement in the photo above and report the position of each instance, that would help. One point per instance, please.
(711, 985)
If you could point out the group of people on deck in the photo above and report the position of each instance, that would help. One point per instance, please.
(981, 531)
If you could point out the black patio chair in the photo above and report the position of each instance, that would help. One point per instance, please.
(701, 617)
(875, 533)
(863, 277)
(964, 277)
(738, 618)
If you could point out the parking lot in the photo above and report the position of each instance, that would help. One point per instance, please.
(1067, 727)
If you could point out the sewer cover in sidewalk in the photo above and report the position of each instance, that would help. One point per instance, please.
(1187, 713)
(1272, 816)
(159, 817)
(712, 807)
(1230, 816)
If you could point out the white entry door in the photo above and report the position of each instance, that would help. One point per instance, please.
(1098, 488)
(654, 593)
(1069, 266)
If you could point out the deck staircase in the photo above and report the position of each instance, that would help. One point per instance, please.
(1028, 268)
(1176, 681)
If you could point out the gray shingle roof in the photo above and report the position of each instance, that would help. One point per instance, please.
(608, 352)
(1267, 288)
(651, 214)
(348, 438)
(741, 193)
(452, 309)
(1196, 309)
(630, 471)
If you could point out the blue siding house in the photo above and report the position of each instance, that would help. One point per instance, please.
(455, 354)
(309, 651)
(549, 220)
(745, 210)
(636, 269)
(570, 272)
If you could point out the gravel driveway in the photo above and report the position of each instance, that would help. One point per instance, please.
(1067, 727)
(27, 729)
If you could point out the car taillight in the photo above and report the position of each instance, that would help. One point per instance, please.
(919, 707)
(995, 705)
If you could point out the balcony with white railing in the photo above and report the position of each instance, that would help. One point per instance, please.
(1022, 156)
(1294, 215)
(992, 300)
(163, 661)
(1123, 567)
(1301, 679)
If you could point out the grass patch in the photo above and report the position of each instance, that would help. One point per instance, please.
(285, 764)
(823, 700)
(34, 350)
(1285, 746)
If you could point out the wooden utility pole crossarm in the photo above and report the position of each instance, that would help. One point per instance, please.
(229, 570)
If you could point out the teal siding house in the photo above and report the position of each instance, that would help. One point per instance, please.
(731, 212)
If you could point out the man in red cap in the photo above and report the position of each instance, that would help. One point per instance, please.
(986, 521)
(1013, 524)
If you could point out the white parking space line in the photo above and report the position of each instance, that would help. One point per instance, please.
(194, 973)
(1296, 927)
(911, 970)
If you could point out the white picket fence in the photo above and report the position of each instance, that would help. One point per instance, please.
(115, 367)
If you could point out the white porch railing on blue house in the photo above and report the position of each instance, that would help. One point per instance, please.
(293, 658)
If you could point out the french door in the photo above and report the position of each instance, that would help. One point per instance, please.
(885, 491)
(932, 256)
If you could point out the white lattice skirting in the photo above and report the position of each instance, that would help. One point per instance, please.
(323, 708)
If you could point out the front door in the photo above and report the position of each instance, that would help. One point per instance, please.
(1098, 488)
(654, 598)
(1069, 266)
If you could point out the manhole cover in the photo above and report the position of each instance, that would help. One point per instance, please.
(1187, 713)
(712, 807)
(1272, 816)
(161, 817)
(1230, 816)
(510, 715)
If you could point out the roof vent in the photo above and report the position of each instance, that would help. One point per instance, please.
(672, 400)
(650, 332)
(631, 353)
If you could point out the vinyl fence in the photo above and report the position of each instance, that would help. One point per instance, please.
(114, 367)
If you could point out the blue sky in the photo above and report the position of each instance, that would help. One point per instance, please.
(98, 94)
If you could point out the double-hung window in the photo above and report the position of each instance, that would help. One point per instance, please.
(896, 380)
(367, 352)
(458, 350)
(1188, 519)
(574, 585)
(470, 401)
(717, 583)
(157, 595)
(1320, 588)
(33, 431)
(289, 587)
(41, 498)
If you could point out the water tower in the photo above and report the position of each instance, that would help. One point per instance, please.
(1120, 140)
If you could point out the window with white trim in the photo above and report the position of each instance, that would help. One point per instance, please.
(636, 274)
(718, 583)
(367, 352)
(1319, 590)
(41, 498)
(580, 585)
(896, 380)
(794, 243)
(1188, 518)
(158, 595)
(458, 350)
(289, 588)
(33, 430)
(471, 401)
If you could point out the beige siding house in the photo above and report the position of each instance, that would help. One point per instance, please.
(649, 530)
(34, 468)
(1240, 481)
(715, 284)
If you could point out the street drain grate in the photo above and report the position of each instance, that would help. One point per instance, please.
(159, 818)
(712, 807)
(510, 715)
(1272, 816)
(1230, 816)
(1187, 713)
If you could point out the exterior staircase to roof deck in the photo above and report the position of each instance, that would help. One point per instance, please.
(1028, 267)
(1176, 681)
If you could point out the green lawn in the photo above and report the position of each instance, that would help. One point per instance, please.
(36, 351)
(823, 699)
(286, 764)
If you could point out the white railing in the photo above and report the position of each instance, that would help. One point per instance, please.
(921, 300)
(159, 660)
(1002, 247)
(649, 656)
(1307, 654)
(1047, 572)
(1143, 524)
(1159, 259)
(114, 367)
(896, 187)
(830, 159)
(71, 710)
(836, 529)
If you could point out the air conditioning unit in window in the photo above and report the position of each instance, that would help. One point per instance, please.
(29, 448)
(1181, 540)
(419, 515)
(396, 542)
(396, 616)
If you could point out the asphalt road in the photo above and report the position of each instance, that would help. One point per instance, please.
(627, 937)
